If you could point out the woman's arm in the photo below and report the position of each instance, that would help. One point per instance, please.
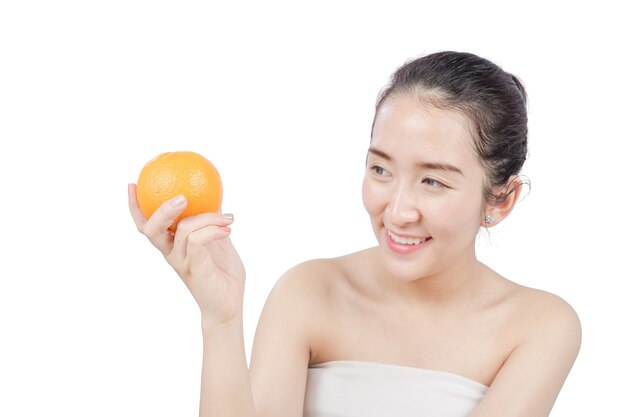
(280, 356)
(529, 381)
(203, 256)
(283, 342)
(225, 387)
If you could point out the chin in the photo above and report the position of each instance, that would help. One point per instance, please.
(404, 269)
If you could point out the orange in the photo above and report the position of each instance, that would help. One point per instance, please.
(174, 173)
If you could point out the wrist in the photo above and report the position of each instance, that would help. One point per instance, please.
(211, 325)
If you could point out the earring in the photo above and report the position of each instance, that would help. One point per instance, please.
(488, 219)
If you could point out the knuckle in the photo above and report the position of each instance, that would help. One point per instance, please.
(182, 228)
(194, 239)
(149, 230)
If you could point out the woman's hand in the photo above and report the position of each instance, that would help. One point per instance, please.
(200, 252)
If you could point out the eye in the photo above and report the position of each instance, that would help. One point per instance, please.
(433, 183)
(378, 170)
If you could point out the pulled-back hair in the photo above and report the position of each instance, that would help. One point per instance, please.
(493, 100)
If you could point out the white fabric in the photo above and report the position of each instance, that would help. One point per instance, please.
(369, 389)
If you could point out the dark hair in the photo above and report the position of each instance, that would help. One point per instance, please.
(493, 100)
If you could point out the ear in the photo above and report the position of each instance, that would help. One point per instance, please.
(505, 199)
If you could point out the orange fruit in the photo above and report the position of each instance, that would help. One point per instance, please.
(174, 173)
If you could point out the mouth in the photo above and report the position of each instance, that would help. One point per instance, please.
(405, 245)
(406, 240)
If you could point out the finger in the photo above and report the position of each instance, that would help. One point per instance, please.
(200, 240)
(191, 224)
(157, 226)
(133, 206)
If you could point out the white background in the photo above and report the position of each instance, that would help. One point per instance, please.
(280, 96)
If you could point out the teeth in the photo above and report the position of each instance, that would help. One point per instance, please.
(404, 240)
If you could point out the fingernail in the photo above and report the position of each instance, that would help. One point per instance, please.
(179, 201)
(228, 216)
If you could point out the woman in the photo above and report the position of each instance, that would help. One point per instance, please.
(416, 326)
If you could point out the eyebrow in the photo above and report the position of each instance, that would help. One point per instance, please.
(441, 166)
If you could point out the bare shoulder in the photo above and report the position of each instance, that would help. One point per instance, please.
(317, 279)
(289, 325)
(310, 291)
(542, 313)
(298, 303)
(547, 339)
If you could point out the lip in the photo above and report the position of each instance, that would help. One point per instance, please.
(402, 248)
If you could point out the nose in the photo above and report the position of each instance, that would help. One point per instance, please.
(402, 208)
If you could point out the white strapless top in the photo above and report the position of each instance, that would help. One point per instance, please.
(369, 389)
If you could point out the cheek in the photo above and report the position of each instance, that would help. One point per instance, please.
(457, 217)
(371, 196)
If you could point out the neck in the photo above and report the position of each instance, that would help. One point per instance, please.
(455, 285)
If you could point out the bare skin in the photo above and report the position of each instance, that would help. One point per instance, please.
(435, 307)
(519, 341)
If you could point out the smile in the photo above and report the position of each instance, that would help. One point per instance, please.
(405, 245)
(404, 240)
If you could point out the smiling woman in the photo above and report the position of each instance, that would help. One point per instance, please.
(424, 184)
(416, 325)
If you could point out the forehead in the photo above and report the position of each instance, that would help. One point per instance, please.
(407, 126)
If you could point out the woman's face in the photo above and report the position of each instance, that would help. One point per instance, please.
(423, 188)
